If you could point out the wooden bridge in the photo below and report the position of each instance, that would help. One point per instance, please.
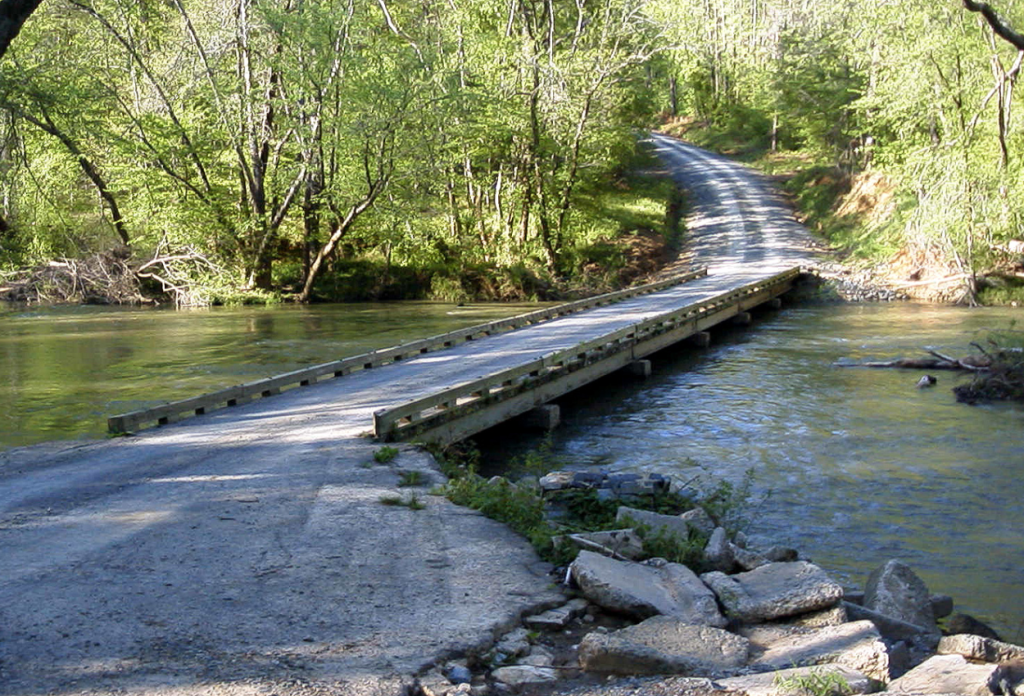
(449, 387)
(516, 378)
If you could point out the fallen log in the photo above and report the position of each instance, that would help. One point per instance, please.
(938, 361)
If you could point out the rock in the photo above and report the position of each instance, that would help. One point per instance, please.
(632, 485)
(512, 645)
(641, 591)
(459, 674)
(893, 629)
(433, 683)
(658, 523)
(718, 552)
(609, 486)
(558, 617)
(853, 596)
(832, 616)
(538, 657)
(781, 554)
(787, 682)
(774, 591)
(699, 520)
(520, 675)
(948, 674)
(942, 605)
(747, 559)
(965, 623)
(623, 542)
(856, 645)
(740, 540)
(896, 591)
(981, 648)
(556, 481)
(663, 645)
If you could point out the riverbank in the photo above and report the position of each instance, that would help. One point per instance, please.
(862, 216)
(680, 594)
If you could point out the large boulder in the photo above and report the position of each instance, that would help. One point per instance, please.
(895, 590)
(948, 674)
(663, 645)
(980, 648)
(856, 645)
(774, 591)
(893, 629)
(787, 682)
(642, 591)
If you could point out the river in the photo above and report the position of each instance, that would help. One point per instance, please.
(64, 370)
(852, 466)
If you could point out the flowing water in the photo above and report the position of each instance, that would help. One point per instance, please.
(64, 370)
(853, 466)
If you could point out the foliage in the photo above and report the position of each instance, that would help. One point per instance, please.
(662, 543)
(408, 479)
(816, 682)
(412, 502)
(385, 454)
(286, 141)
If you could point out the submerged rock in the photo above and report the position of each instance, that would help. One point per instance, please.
(642, 591)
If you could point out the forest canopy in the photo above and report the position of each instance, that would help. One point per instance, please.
(281, 144)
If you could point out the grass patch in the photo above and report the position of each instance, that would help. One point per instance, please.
(815, 683)
(385, 454)
(412, 502)
(407, 479)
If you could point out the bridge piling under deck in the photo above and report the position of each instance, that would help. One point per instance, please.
(462, 411)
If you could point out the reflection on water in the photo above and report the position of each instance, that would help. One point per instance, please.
(64, 370)
(858, 465)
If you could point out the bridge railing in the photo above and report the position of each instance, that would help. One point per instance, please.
(262, 388)
(413, 417)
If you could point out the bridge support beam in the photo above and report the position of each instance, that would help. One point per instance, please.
(776, 303)
(701, 339)
(743, 319)
(640, 368)
(546, 417)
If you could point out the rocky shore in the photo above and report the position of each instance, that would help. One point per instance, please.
(751, 620)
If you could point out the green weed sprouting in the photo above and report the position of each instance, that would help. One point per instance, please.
(821, 682)
(407, 479)
(385, 454)
(412, 502)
